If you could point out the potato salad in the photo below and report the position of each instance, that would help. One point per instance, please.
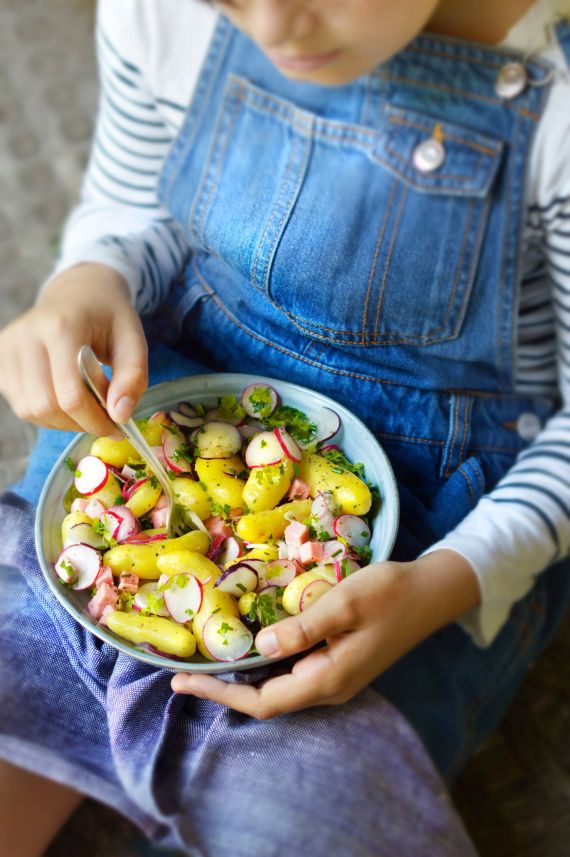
(276, 516)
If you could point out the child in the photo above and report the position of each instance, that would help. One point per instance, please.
(372, 200)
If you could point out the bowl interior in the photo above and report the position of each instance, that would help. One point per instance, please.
(357, 442)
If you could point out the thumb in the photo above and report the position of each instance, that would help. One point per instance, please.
(129, 362)
(326, 618)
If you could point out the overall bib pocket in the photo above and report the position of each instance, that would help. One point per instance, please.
(337, 225)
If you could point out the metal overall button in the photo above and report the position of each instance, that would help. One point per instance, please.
(511, 81)
(429, 156)
(528, 426)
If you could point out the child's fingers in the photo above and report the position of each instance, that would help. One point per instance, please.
(129, 360)
(74, 399)
(333, 614)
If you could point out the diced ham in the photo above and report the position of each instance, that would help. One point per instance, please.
(79, 504)
(162, 502)
(129, 583)
(296, 534)
(106, 596)
(159, 517)
(299, 490)
(95, 509)
(108, 609)
(216, 526)
(311, 552)
(105, 576)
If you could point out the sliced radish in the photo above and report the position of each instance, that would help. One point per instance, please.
(323, 504)
(329, 425)
(256, 564)
(143, 539)
(238, 580)
(183, 597)
(84, 534)
(249, 429)
(353, 530)
(345, 567)
(334, 550)
(78, 566)
(290, 447)
(185, 422)
(312, 592)
(176, 450)
(226, 638)
(330, 447)
(91, 475)
(149, 597)
(279, 572)
(121, 523)
(218, 415)
(263, 450)
(186, 409)
(217, 439)
(130, 488)
(269, 605)
(230, 549)
(259, 400)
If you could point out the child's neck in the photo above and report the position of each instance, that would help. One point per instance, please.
(485, 21)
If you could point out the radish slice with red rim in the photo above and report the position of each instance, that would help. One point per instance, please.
(78, 566)
(129, 489)
(226, 638)
(238, 580)
(353, 530)
(269, 605)
(176, 451)
(329, 424)
(279, 572)
(230, 549)
(264, 450)
(247, 430)
(345, 567)
(290, 447)
(218, 415)
(334, 550)
(183, 597)
(143, 539)
(312, 592)
(121, 523)
(91, 475)
(323, 504)
(149, 597)
(185, 422)
(217, 439)
(84, 534)
(259, 400)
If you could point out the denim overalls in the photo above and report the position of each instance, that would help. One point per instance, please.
(328, 250)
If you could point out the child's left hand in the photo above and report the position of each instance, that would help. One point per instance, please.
(368, 621)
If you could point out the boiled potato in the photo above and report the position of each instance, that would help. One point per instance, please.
(193, 496)
(163, 634)
(226, 491)
(142, 559)
(351, 494)
(110, 494)
(266, 486)
(189, 562)
(71, 520)
(270, 524)
(145, 498)
(114, 452)
(214, 601)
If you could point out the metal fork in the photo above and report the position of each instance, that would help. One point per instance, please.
(97, 382)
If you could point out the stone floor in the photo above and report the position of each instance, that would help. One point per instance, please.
(515, 793)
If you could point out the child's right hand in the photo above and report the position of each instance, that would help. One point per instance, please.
(86, 305)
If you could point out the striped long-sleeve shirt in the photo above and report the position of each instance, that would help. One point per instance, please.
(150, 55)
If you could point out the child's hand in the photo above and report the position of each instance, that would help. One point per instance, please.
(86, 305)
(368, 621)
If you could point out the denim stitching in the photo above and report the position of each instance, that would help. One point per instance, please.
(387, 212)
(389, 257)
(217, 151)
(445, 468)
(469, 487)
(485, 150)
(466, 419)
(441, 177)
(501, 369)
(272, 216)
(449, 90)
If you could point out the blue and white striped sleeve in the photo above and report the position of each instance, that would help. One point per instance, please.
(523, 525)
(120, 222)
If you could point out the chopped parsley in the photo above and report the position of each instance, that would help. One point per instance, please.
(70, 464)
(295, 422)
(230, 408)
